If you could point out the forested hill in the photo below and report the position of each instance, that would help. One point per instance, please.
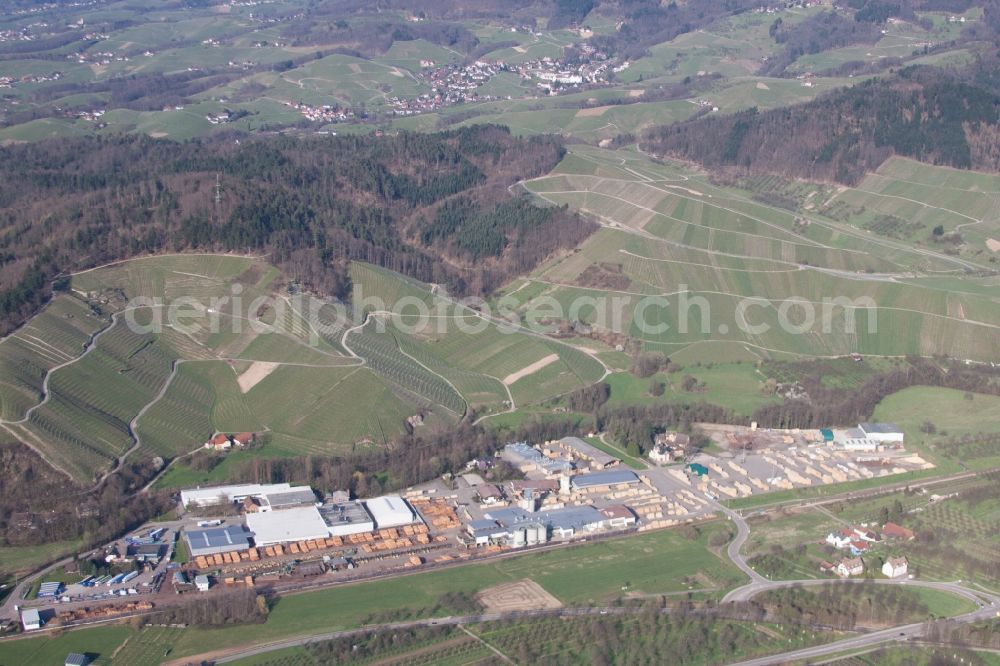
(842, 135)
(433, 206)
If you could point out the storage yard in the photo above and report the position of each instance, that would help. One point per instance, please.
(279, 536)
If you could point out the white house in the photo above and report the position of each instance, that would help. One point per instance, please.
(895, 567)
(850, 567)
(202, 583)
(839, 540)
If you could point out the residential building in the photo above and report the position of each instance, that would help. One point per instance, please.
(202, 583)
(854, 566)
(839, 539)
(219, 442)
(896, 567)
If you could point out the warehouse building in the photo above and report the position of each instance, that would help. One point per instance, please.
(885, 433)
(216, 540)
(284, 499)
(577, 448)
(611, 477)
(527, 458)
(346, 518)
(30, 619)
(390, 511)
(196, 497)
(296, 524)
(560, 523)
(861, 444)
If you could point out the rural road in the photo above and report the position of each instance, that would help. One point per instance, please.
(895, 634)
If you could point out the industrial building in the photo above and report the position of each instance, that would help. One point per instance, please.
(527, 459)
(886, 433)
(196, 497)
(560, 523)
(296, 524)
(284, 499)
(215, 540)
(860, 444)
(47, 590)
(390, 511)
(30, 619)
(579, 449)
(611, 477)
(202, 583)
(346, 518)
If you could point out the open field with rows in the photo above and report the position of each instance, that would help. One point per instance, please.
(161, 379)
(670, 232)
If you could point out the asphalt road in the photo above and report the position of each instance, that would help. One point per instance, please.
(895, 634)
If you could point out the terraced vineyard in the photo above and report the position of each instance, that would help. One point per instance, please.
(385, 357)
(671, 232)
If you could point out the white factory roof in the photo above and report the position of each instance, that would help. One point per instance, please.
(232, 493)
(298, 524)
(390, 511)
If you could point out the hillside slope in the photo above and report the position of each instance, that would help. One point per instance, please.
(849, 132)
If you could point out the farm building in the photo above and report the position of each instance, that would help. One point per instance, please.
(30, 619)
(577, 448)
(346, 518)
(215, 540)
(390, 511)
(224, 494)
(613, 477)
(894, 531)
(886, 433)
(296, 524)
(895, 567)
(76, 659)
